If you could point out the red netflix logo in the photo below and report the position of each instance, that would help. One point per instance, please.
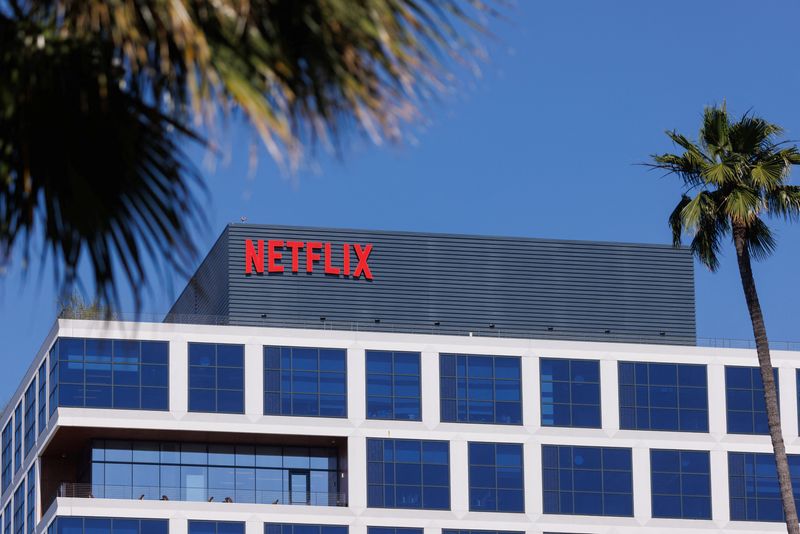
(315, 252)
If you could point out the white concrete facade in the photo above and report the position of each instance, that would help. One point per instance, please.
(356, 429)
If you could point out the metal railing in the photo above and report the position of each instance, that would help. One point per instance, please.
(84, 490)
(435, 328)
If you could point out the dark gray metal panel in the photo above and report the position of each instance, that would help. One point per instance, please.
(206, 294)
(525, 287)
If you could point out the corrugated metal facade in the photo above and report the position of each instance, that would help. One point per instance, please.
(457, 284)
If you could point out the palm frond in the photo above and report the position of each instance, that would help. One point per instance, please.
(759, 240)
(100, 172)
(784, 202)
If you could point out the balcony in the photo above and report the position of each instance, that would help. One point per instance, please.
(105, 463)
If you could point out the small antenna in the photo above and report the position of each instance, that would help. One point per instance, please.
(243, 218)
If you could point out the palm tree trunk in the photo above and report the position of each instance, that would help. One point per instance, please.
(765, 364)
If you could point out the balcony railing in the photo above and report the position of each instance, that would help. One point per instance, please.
(153, 493)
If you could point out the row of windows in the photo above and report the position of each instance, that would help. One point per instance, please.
(415, 474)
(104, 525)
(17, 515)
(304, 381)
(214, 472)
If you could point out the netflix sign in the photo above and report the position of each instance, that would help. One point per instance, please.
(276, 256)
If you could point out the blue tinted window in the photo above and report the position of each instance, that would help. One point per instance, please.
(393, 385)
(570, 392)
(663, 396)
(496, 477)
(240, 473)
(480, 389)
(744, 400)
(19, 509)
(753, 486)
(587, 480)
(18, 437)
(394, 530)
(106, 525)
(109, 373)
(216, 378)
(305, 381)
(681, 484)
(216, 527)
(7, 518)
(30, 417)
(7, 455)
(42, 396)
(407, 473)
(31, 499)
(294, 528)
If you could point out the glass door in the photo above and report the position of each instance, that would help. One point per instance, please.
(299, 486)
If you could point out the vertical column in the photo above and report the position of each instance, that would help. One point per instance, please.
(356, 385)
(179, 525)
(459, 476)
(720, 496)
(642, 503)
(531, 395)
(787, 386)
(609, 395)
(533, 479)
(252, 527)
(429, 368)
(178, 376)
(717, 420)
(356, 528)
(253, 379)
(356, 473)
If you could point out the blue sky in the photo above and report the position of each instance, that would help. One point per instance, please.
(544, 144)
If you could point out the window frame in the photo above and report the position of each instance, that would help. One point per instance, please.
(443, 356)
(571, 404)
(495, 467)
(216, 389)
(680, 475)
(393, 397)
(292, 393)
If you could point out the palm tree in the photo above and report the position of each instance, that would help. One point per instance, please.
(100, 98)
(738, 173)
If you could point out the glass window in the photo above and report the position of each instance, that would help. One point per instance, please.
(218, 472)
(744, 400)
(393, 385)
(109, 373)
(663, 396)
(30, 417)
(681, 484)
(480, 389)
(305, 381)
(7, 454)
(216, 378)
(19, 509)
(31, 499)
(570, 392)
(753, 486)
(7, 518)
(407, 473)
(18, 437)
(394, 530)
(42, 396)
(496, 477)
(295, 528)
(107, 525)
(587, 480)
(216, 527)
